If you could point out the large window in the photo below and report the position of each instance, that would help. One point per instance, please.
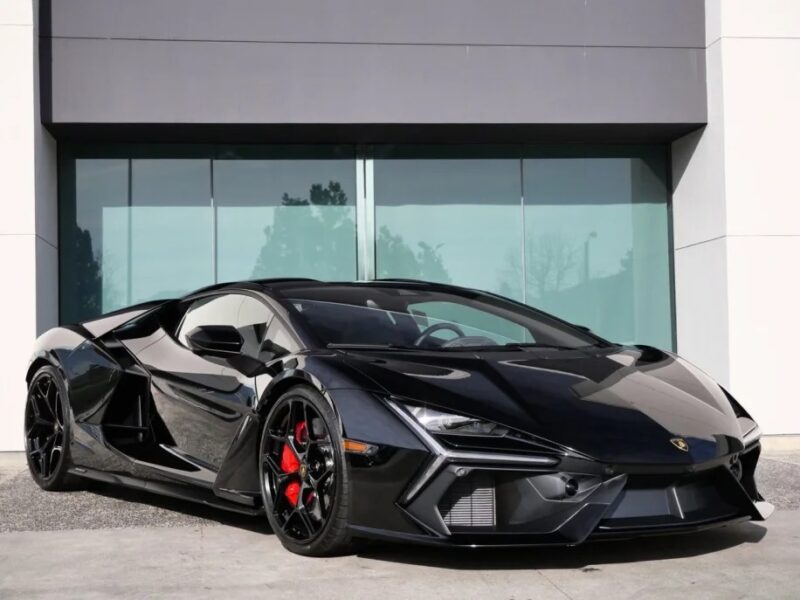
(578, 231)
(143, 223)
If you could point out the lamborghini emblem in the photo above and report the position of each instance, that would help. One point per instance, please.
(680, 444)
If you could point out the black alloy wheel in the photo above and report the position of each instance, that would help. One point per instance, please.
(303, 477)
(47, 430)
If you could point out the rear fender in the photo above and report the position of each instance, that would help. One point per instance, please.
(53, 347)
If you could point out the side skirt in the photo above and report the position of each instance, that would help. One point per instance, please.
(181, 492)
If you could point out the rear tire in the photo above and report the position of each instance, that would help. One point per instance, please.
(303, 474)
(47, 431)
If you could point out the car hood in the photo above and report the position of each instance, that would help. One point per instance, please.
(622, 405)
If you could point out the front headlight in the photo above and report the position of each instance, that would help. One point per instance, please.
(436, 421)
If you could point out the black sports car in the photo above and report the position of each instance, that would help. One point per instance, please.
(391, 409)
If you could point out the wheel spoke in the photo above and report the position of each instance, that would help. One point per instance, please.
(284, 523)
(319, 480)
(324, 505)
(43, 455)
(274, 468)
(299, 452)
(295, 416)
(38, 422)
(52, 458)
(307, 420)
(320, 444)
(45, 397)
(320, 436)
(36, 401)
(305, 519)
(59, 411)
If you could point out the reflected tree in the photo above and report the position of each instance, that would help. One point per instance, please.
(308, 237)
(556, 285)
(550, 261)
(84, 302)
(306, 233)
(403, 261)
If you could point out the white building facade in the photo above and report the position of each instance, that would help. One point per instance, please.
(682, 123)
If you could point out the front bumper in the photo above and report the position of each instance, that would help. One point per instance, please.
(489, 499)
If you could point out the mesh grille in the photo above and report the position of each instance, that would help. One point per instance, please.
(469, 502)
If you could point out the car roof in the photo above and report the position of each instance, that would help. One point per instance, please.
(281, 287)
(289, 284)
(285, 283)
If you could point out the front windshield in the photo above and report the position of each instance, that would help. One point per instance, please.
(410, 317)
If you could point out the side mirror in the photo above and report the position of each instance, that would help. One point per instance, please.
(270, 351)
(215, 340)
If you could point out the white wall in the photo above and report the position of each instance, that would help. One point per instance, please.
(736, 208)
(28, 224)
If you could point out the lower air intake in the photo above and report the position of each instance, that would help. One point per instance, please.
(469, 503)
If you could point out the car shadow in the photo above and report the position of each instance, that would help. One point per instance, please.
(585, 556)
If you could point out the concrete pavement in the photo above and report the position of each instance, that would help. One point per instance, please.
(143, 546)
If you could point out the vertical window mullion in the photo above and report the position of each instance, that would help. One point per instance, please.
(213, 224)
(365, 215)
(129, 297)
(523, 258)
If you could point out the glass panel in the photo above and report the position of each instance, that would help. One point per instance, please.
(171, 227)
(597, 247)
(93, 267)
(451, 220)
(392, 315)
(594, 224)
(285, 218)
(471, 321)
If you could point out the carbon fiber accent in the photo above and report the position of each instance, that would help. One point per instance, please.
(469, 502)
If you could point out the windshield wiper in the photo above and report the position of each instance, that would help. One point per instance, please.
(368, 347)
(509, 346)
(538, 345)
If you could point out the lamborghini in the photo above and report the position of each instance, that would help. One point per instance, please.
(392, 409)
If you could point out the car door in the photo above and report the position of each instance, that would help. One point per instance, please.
(201, 398)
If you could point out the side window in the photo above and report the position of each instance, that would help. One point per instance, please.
(216, 310)
(252, 322)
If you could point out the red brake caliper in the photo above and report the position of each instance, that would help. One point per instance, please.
(291, 464)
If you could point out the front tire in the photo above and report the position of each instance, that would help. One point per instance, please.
(304, 478)
(47, 431)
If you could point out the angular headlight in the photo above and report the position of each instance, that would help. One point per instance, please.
(440, 422)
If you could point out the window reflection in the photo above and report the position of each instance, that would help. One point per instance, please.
(596, 245)
(170, 228)
(578, 231)
(451, 220)
(91, 262)
(285, 218)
